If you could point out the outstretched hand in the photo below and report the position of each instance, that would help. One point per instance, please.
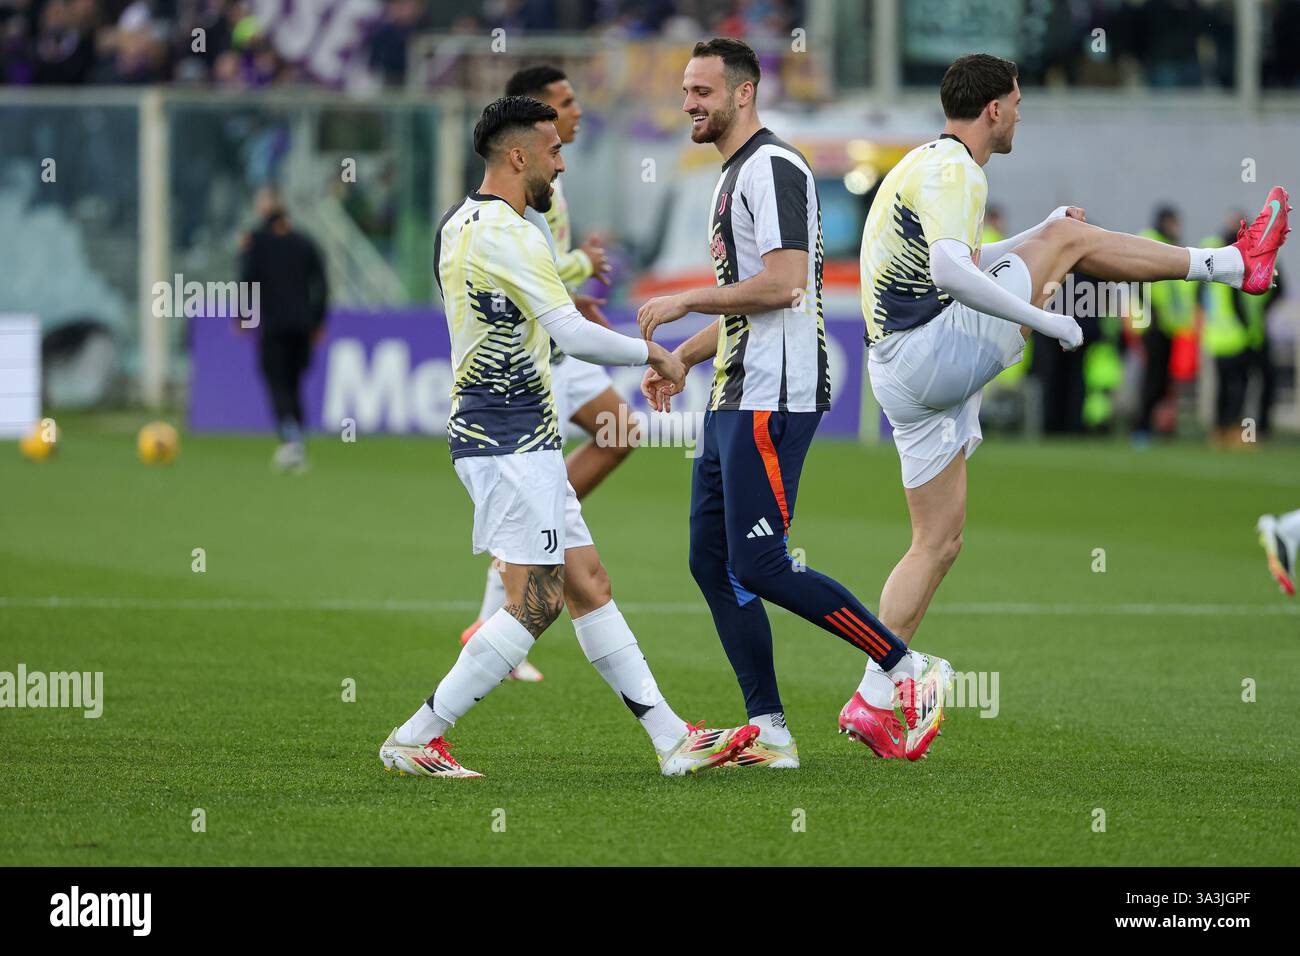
(658, 311)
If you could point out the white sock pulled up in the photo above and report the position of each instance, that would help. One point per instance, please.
(611, 647)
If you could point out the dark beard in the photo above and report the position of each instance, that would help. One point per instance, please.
(715, 127)
(540, 199)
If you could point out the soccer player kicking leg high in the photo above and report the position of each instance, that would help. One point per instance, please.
(505, 302)
(771, 386)
(584, 394)
(939, 329)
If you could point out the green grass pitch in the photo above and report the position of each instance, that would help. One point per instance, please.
(1119, 690)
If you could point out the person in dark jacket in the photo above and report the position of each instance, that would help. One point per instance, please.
(292, 294)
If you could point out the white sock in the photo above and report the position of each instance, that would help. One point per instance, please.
(1288, 525)
(1216, 265)
(876, 687)
(612, 649)
(423, 726)
(494, 593)
(1288, 528)
(492, 653)
(772, 729)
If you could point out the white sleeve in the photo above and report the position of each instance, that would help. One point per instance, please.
(996, 250)
(591, 342)
(954, 273)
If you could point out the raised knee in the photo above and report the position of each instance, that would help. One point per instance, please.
(1068, 233)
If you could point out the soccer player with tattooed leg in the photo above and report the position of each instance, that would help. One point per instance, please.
(771, 385)
(945, 316)
(584, 393)
(505, 302)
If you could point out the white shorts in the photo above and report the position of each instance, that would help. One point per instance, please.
(525, 510)
(575, 383)
(928, 379)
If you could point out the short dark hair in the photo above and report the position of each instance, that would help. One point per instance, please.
(973, 81)
(504, 116)
(739, 61)
(533, 80)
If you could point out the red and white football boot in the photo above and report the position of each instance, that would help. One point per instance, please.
(434, 759)
(1260, 241)
(878, 728)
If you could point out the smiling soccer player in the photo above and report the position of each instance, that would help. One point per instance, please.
(505, 303)
(584, 393)
(771, 386)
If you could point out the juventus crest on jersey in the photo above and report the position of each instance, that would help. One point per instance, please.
(767, 199)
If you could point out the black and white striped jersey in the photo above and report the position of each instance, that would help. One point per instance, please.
(767, 199)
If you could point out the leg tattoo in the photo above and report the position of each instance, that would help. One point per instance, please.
(543, 597)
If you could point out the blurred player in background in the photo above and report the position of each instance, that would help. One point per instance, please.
(583, 391)
(1280, 537)
(1173, 314)
(293, 294)
(939, 326)
(505, 304)
(771, 385)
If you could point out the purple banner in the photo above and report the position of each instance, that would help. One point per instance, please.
(390, 371)
(322, 37)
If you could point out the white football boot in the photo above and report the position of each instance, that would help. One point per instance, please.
(922, 701)
(702, 748)
(434, 759)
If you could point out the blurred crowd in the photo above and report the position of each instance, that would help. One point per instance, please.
(223, 43)
(638, 19)
(220, 43)
(1157, 43)
(1140, 364)
(75, 42)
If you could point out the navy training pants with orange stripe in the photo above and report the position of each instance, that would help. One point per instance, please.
(743, 489)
